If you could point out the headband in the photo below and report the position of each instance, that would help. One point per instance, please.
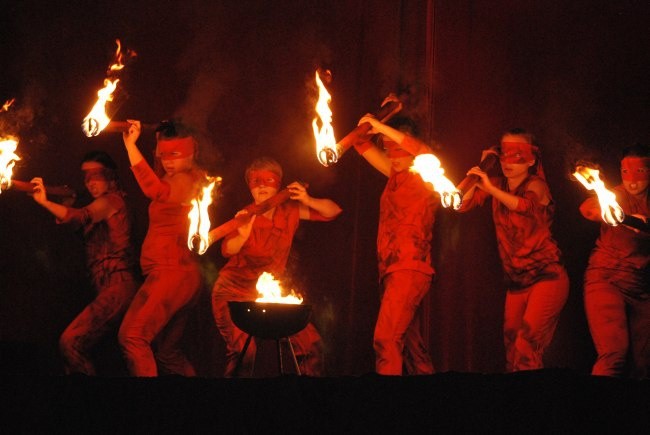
(263, 178)
(175, 148)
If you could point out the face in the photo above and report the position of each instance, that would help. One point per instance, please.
(95, 179)
(263, 184)
(400, 159)
(635, 172)
(515, 156)
(173, 166)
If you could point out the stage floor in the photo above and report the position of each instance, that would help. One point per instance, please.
(545, 401)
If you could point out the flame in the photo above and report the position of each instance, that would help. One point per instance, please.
(200, 219)
(325, 142)
(610, 211)
(270, 291)
(7, 104)
(428, 166)
(8, 159)
(97, 119)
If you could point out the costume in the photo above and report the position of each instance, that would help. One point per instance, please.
(537, 283)
(159, 310)
(406, 216)
(266, 250)
(111, 268)
(617, 293)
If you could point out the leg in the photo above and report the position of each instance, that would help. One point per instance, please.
(403, 291)
(92, 323)
(416, 355)
(640, 337)
(605, 310)
(234, 337)
(308, 347)
(162, 295)
(545, 302)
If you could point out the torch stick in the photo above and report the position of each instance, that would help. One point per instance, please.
(122, 126)
(253, 209)
(385, 113)
(24, 186)
(486, 165)
(636, 223)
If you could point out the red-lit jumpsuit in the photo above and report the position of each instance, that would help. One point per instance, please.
(537, 283)
(406, 216)
(617, 293)
(266, 250)
(111, 267)
(159, 310)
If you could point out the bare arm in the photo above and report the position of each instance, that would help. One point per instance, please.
(327, 208)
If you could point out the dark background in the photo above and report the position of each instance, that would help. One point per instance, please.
(574, 73)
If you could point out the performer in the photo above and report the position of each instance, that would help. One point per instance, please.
(406, 216)
(106, 229)
(159, 310)
(263, 245)
(617, 280)
(537, 283)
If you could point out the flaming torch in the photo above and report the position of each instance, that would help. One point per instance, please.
(8, 158)
(97, 119)
(325, 141)
(270, 290)
(429, 168)
(610, 211)
(197, 238)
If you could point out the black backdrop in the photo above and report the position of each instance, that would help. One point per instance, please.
(242, 72)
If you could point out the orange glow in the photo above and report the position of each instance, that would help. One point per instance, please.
(8, 159)
(326, 149)
(610, 211)
(97, 119)
(270, 290)
(197, 238)
(429, 168)
(7, 104)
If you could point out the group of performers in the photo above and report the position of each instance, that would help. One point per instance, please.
(150, 316)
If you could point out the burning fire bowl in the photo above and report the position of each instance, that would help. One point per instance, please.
(269, 320)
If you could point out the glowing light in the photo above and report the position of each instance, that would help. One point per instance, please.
(429, 168)
(270, 290)
(8, 158)
(197, 238)
(326, 149)
(610, 211)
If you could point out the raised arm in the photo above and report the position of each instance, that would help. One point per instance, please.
(311, 208)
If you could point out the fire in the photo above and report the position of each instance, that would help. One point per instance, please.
(270, 290)
(7, 104)
(197, 238)
(97, 119)
(428, 166)
(326, 150)
(610, 211)
(8, 159)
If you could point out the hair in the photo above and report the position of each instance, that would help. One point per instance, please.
(405, 125)
(109, 165)
(170, 129)
(636, 150)
(263, 163)
(100, 157)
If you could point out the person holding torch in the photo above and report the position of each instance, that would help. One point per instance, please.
(537, 282)
(159, 311)
(406, 216)
(105, 225)
(617, 279)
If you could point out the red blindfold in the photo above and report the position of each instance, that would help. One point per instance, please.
(263, 178)
(394, 151)
(517, 152)
(176, 148)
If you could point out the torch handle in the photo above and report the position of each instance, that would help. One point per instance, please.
(122, 126)
(386, 112)
(253, 209)
(24, 186)
(486, 165)
(636, 223)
